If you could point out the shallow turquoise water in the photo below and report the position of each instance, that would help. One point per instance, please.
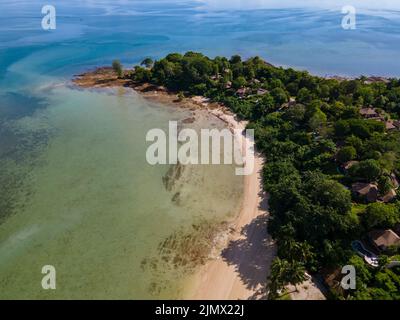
(76, 191)
(90, 205)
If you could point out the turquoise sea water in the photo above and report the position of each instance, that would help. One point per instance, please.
(76, 191)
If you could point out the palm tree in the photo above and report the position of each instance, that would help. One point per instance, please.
(284, 272)
(276, 280)
(295, 251)
(296, 274)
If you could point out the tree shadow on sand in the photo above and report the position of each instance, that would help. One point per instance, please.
(253, 253)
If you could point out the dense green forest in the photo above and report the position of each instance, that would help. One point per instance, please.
(333, 155)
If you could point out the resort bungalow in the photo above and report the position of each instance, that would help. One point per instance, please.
(384, 239)
(392, 194)
(291, 103)
(241, 93)
(375, 79)
(389, 197)
(390, 125)
(228, 85)
(396, 229)
(346, 166)
(369, 113)
(395, 181)
(261, 92)
(366, 191)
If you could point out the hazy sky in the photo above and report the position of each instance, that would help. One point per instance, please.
(329, 4)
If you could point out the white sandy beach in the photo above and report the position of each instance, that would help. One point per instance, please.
(242, 267)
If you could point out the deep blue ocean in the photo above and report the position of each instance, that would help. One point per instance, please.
(91, 33)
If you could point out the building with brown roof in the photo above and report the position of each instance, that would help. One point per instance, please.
(375, 79)
(390, 125)
(366, 191)
(389, 197)
(291, 103)
(241, 92)
(346, 166)
(396, 229)
(383, 239)
(261, 92)
(369, 113)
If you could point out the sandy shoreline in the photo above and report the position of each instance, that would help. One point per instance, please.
(241, 269)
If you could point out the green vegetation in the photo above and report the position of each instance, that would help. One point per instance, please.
(368, 170)
(382, 216)
(375, 284)
(116, 65)
(148, 62)
(284, 272)
(346, 154)
(308, 128)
